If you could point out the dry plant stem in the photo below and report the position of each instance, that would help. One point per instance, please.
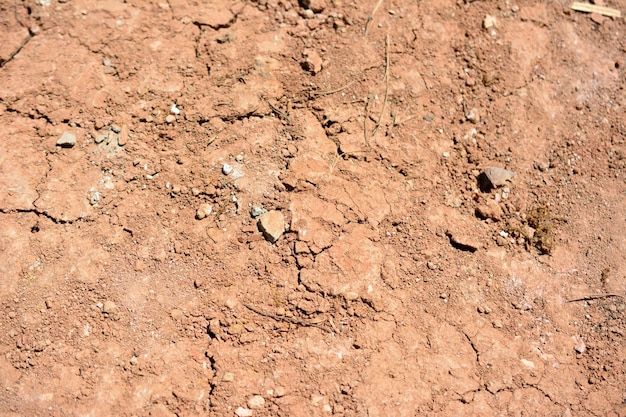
(371, 16)
(592, 8)
(595, 297)
(287, 319)
(365, 117)
(382, 111)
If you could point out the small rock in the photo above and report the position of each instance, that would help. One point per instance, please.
(203, 211)
(227, 169)
(67, 140)
(307, 14)
(243, 412)
(170, 118)
(101, 138)
(528, 231)
(174, 109)
(122, 139)
(579, 345)
(109, 307)
(257, 211)
(489, 22)
(279, 392)
(495, 177)
(464, 243)
(497, 324)
(228, 377)
(272, 224)
(312, 61)
(473, 116)
(256, 402)
(116, 128)
(199, 282)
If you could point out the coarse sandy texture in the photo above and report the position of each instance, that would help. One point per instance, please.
(403, 284)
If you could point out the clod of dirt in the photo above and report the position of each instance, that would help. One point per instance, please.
(109, 307)
(489, 210)
(316, 6)
(312, 61)
(67, 140)
(494, 177)
(272, 224)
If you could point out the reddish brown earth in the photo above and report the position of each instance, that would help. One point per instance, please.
(402, 285)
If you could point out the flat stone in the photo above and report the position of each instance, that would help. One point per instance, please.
(243, 412)
(496, 177)
(272, 224)
(463, 242)
(67, 140)
(256, 402)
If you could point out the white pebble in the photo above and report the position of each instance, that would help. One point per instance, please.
(256, 402)
(174, 109)
(203, 211)
(227, 169)
(243, 412)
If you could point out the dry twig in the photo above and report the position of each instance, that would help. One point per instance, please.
(592, 8)
(595, 297)
(382, 111)
(371, 16)
(336, 90)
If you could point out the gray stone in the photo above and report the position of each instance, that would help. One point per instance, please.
(257, 211)
(498, 176)
(67, 140)
(272, 224)
(227, 169)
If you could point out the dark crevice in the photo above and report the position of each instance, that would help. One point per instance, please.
(17, 51)
(36, 115)
(42, 214)
(30, 36)
(469, 339)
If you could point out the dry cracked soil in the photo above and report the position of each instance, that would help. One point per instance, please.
(324, 207)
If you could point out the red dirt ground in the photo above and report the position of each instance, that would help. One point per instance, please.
(402, 285)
